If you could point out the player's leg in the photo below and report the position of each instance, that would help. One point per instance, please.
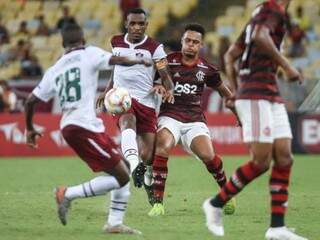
(129, 146)
(280, 176)
(202, 147)
(256, 118)
(117, 209)
(100, 153)
(165, 142)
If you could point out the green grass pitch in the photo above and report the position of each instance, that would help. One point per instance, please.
(28, 210)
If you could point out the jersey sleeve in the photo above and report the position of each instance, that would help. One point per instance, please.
(100, 59)
(159, 53)
(214, 80)
(45, 89)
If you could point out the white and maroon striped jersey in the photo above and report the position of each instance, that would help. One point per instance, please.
(138, 79)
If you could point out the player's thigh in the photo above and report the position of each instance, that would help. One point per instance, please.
(257, 120)
(171, 125)
(127, 120)
(282, 129)
(194, 134)
(202, 147)
(282, 153)
(164, 142)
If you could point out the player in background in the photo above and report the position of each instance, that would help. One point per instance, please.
(184, 121)
(74, 78)
(264, 119)
(138, 125)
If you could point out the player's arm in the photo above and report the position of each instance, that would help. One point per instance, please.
(261, 37)
(32, 134)
(163, 70)
(230, 57)
(124, 61)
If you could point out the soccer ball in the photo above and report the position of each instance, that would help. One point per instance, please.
(117, 100)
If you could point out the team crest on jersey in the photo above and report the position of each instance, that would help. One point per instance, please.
(200, 76)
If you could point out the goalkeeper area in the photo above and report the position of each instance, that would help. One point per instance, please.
(28, 209)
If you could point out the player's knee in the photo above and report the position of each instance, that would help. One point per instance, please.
(284, 158)
(162, 150)
(262, 161)
(123, 180)
(206, 156)
(127, 121)
(146, 155)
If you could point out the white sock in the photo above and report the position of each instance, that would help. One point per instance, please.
(148, 179)
(129, 147)
(95, 187)
(118, 205)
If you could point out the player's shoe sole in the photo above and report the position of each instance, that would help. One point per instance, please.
(157, 210)
(63, 204)
(230, 207)
(138, 175)
(213, 218)
(120, 229)
(282, 233)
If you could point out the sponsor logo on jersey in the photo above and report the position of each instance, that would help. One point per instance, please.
(185, 89)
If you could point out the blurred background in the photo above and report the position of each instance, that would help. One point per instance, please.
(30, 42)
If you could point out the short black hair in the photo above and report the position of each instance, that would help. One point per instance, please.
(136, 11)
(196, 27)
(72, 34)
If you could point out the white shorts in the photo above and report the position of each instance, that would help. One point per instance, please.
(183, 133)
(262, 120)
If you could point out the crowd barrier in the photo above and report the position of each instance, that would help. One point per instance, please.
(226, 135)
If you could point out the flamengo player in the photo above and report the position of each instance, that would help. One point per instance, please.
(141, 118)
(184, 121)
(263, 115)
(74, 78)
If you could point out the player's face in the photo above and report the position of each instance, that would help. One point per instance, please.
(191, 43)
(136, 25)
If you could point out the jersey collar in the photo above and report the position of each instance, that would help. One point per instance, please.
(133, 45)
(74, 49)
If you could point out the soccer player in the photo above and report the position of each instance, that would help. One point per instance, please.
(184, 121)
(74, 79)
(262, 113)
(138, 125)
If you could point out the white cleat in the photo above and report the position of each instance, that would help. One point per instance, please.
(213, 218)
(282, 233)
(120, 229)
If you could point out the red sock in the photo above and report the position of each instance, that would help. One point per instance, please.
(215, 167)
(279, 182)
(242, 176)
(160, 172)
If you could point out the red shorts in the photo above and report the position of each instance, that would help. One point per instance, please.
(145, 116)
(96, 149)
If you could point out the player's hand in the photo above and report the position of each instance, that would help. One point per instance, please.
(100, 100)
(168, 97)
(293, 74)
(159, 89)
(32, 136)
(230, 103)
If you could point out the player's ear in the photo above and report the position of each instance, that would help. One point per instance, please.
(126, 24)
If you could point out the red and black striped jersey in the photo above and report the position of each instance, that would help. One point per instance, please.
(257, 70)
(189, 82)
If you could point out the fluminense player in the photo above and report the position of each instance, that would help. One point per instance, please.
(138, 125)
(74, 79)
(262, 113)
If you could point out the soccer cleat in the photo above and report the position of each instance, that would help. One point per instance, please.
(213, 218)
(230, 207)
(149, 191)
(157, 210)
(282, 233)
(63, 204)
(120, 229)
(138, 175)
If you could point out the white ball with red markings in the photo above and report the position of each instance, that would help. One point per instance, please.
(117, 100)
